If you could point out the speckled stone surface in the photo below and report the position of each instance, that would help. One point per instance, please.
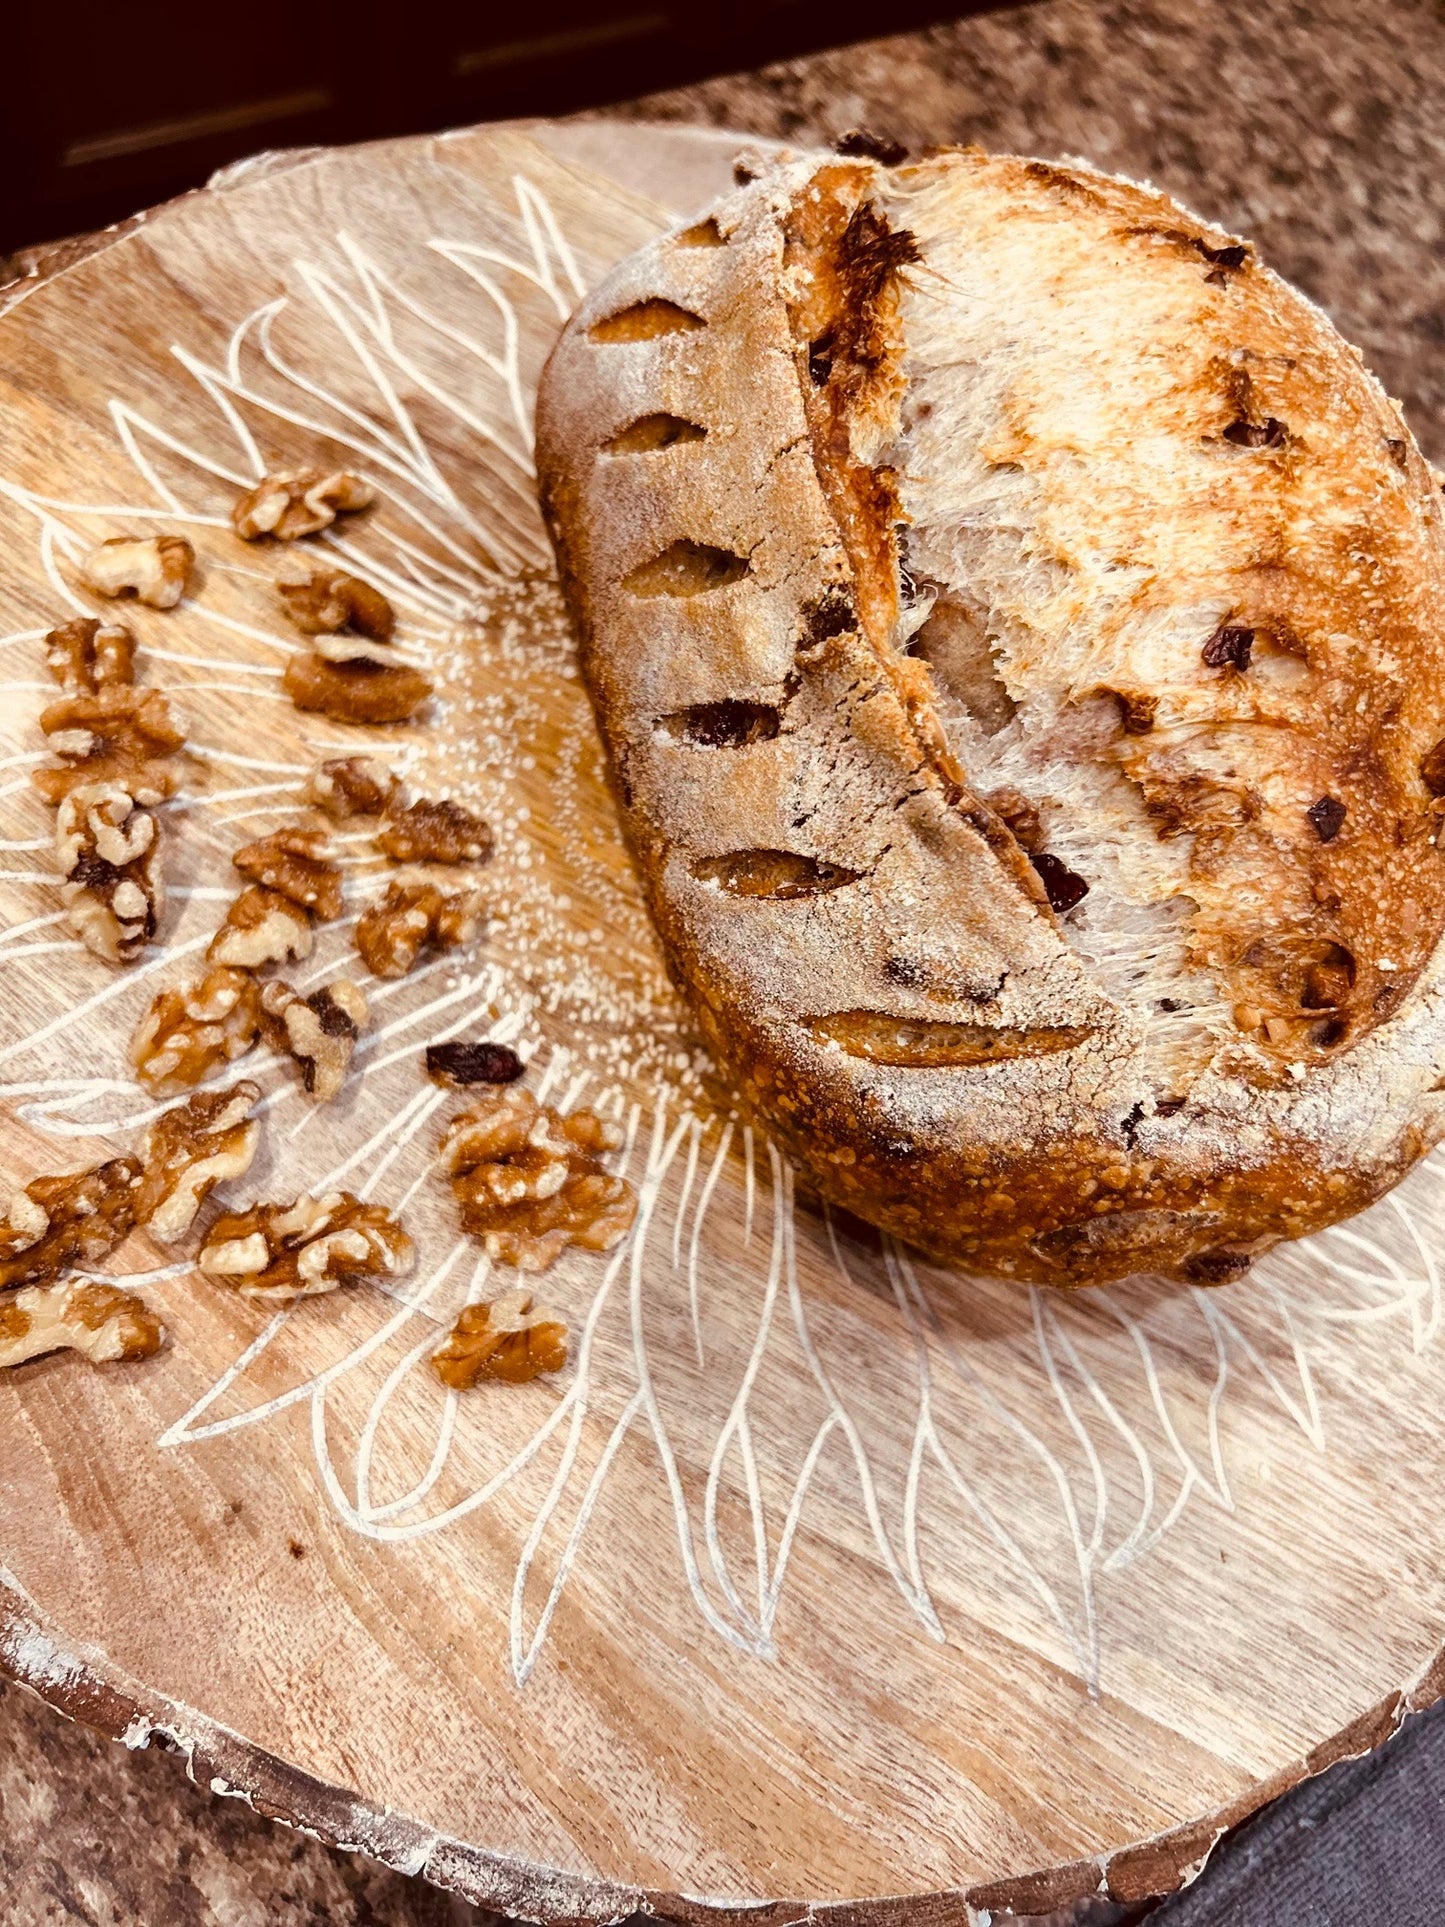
(1314, 126)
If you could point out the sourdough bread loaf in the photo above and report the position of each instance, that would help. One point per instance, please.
(1017, 624)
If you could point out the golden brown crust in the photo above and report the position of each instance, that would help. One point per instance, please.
(1211, 629)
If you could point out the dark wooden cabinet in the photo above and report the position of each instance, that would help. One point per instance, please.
(110, 108)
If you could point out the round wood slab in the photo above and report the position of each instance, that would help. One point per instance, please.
(822, 1575)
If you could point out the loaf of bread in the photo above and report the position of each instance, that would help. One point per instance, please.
(1017, 625)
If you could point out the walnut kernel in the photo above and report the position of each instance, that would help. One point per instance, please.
(262, 927)
(296, 502)
(510, 1339)
(430, 832)
(392, 933)
(355, 691)
(87, 655)
(58, 1222)
(189, 1150)
(101, 1321)
(353, 786)
(108, 851)
(152, 568)
(193, 1029)
(294, 863)
(118, 734)
(319, 1031)
(283, 1252)
(529, 1181)
(323, 601)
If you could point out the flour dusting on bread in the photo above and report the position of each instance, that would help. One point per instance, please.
(1017, 624)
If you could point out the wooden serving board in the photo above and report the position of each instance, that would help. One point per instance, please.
(822, 1575)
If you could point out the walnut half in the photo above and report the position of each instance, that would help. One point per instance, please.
(356, 691)
(78, 1218)
(283, 1252)
(152, 568)
(296, 502)
(262, 927)
(510, 1339)
(321, 602)
(353, 786)
(392, 933)
(530, 1182)
(319, 1031)
(294, 862)
(86, 656)
(108, 850)
(193, 1029)
(101, 1321)
(115, 735)
(190, 1149)
(428, 832)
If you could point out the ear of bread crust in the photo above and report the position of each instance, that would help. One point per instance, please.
(1014, 619)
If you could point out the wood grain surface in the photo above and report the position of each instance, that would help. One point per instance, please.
(822, 1576)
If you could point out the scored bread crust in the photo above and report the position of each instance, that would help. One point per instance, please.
(945, 539)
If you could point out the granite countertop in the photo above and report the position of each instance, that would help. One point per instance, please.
(1313, 127)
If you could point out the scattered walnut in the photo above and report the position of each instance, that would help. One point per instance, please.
(117, 734)
(461, 1064)
(283, 1252)
(355, 692)
(262, 927)
(391, 935)
(321, 601)
(108, 851)
(529, 1181)
(511, 1339)
(55, 1223)
(86, 655)
(193, 1029)
(191, 1148)
(353, 786)
(430, 832)
(298, 501)
(103, 1322)
(153, 568)
(319, 1031)
(294, 863)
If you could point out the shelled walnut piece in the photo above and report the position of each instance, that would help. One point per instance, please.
(115, 733)
(530, 1182)
(189, 1150)
(107, 849)
(152, 568)
(319, 1031)
(278, 1253)
(349, 786)
(393, 932)
(262, 927)
(192, 1029)
(321, 602)
(510, 1339)
(296, 502)
(356, 691)
(294, 863)
(428, 832)
(87, 655)
(104, 1323)
(78, 1218)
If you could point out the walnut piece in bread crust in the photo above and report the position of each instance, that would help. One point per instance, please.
(1017, 625)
